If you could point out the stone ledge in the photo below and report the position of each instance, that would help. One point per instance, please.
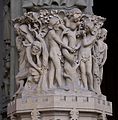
(53, 102)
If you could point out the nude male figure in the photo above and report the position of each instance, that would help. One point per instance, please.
(55, 52)
(85, 56)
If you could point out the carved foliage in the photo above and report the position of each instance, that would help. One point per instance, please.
(60, 50)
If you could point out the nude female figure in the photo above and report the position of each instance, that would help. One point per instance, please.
(99, 59)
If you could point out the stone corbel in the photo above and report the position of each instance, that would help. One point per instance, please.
(13, 117)
(102, 116)
(35, 114)
(74, 114)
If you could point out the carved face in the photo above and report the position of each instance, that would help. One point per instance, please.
(19, 43)
(17, 26)
(98, 25)
(76, 17)
(89, 27)
(36, 48)
(82, 26)
(24, 29)
(56, 26)
(54, 22)
(103, 34)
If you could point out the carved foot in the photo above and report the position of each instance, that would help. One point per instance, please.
(66, 88)
(93, 90)
(14, 96)
(17, 93)
(52, 87)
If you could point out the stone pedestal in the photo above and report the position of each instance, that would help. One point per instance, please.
(55, 74)
(61, 106)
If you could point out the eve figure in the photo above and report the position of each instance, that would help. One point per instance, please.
(99, 58)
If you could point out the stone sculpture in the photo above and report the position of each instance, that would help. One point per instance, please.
(99, 58)
(61, 53)
(60, 50)
(35, 115)
(67, 3)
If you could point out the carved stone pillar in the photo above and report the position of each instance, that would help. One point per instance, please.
(1, 55)
(88, 9)
(74, 113)
(16, 10)
(61, 53)
(102, 117)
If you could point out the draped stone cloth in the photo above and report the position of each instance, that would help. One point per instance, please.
(67, 3)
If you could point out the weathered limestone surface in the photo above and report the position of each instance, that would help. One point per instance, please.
(60, 50)
(16, 10)
(61, 54)
(64, 106)
(1, 57)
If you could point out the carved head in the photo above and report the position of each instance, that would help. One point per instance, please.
(54, 22)
(19, 43)
(24, 29)
(103, 34)
(36, 48)
(75, 11)
(87, 23)
(75, 14)
(89, 27)
(98, 21)
(17, 28)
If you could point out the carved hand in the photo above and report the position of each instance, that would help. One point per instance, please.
(38, 35)
(72, 50)
(66, 31)
(40, 70)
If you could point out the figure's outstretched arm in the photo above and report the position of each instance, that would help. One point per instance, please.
(58, 40)
(27, 34)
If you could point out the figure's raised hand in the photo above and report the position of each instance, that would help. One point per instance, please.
(66, 31)
(72, 50)
(40, 70)
(38, 34)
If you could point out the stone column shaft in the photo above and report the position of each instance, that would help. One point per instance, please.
(16, 10)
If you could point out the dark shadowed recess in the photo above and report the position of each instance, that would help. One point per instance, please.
(108, 9)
